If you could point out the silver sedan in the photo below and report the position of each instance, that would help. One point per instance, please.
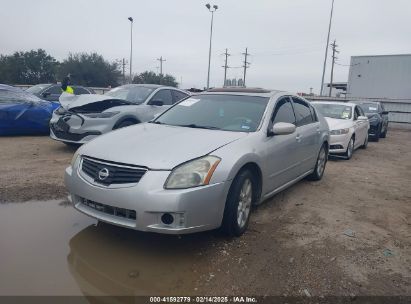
(202, 164)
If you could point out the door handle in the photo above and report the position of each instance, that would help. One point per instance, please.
(298, 138)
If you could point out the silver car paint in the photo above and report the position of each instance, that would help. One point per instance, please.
(282, 160)
(80, 123)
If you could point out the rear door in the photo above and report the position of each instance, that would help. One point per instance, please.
(360, 126)
(178, 95)
(307, 134)
(281, 159)
(163, 97)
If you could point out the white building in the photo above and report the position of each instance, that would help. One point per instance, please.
(384, 76)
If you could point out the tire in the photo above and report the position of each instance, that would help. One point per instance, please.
(124, 124)
(378, 134)
(384, 134)
(350, 149)
(239, 202)
(365, 145)
(71, 145)
(320, 165)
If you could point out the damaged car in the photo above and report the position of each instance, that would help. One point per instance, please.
(22, 113)
(84, 117)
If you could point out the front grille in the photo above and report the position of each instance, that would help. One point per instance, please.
(108, 173)
(72, 136)
(120, 212)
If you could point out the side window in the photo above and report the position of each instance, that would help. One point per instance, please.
(356, 113)
(313, 114)
(80, 90)
(283, 111)
(361, 112)
(54, 90)
(302, 112)
(164, 96)
(177, 95)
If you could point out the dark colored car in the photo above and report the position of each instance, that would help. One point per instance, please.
(52, 92)
(22, 113)
(378, 118)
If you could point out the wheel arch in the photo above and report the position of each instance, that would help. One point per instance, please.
(126, 118)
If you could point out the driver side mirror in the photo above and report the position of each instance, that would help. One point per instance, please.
(157, 103)
(281, 128)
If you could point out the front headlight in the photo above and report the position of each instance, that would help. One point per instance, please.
(74, 159)
(101, 115)
(194, 173)
(60, 110)
(339, 132)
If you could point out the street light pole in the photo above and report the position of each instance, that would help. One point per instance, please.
(215, 7)
(131, 49)
(326, 48)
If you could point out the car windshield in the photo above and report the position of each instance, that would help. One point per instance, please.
(369, 107)
(17, 97)
(134, 94)
(37, 88)
(220, 112)
(334, 110)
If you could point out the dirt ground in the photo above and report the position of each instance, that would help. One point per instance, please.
(295, 244)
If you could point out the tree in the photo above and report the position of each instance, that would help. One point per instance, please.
(90, 70)
(28, 67)
(153, 78)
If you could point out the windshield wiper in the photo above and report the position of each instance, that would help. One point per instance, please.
(200, 127)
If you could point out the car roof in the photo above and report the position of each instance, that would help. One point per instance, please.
(148, 85)
(334, 102)
(260, 92)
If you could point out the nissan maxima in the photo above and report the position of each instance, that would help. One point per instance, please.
(202, 164)
(348, 126)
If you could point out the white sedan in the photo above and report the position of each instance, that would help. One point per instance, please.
(348, 126)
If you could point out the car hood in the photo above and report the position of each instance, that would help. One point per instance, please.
(336, 124)
(159, 147)
(92, 103)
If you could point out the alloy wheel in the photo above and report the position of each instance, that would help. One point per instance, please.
(322, 159)
(244, 204)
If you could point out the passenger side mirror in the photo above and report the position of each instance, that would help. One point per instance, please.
(282, 128)
(157, 103)
(363, 118)
(385, 112)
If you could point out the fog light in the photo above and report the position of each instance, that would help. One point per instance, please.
(167, 218)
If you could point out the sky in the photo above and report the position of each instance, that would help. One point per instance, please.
(286, 38)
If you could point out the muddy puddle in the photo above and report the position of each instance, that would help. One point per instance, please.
(48, 248)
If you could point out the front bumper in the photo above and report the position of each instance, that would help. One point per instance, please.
(339, 143)
(141, 206)
(78, 129)
(373, 131)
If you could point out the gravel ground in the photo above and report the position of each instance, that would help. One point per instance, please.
(295, 244)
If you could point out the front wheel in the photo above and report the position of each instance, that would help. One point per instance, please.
(238, 205)
(350, 149)
(320, 165)
(384, 134)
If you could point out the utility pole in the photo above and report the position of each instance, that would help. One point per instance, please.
(131, 48)
(246, 63)
(211, 10)
(124, 71)
(334, 47)
(326, 48)
(225, 66)
(161, 64)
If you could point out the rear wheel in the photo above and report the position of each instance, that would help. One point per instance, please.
(238, 205)
(320, 165)
(350, 149)
(378, 134)
(365, 145)
(384, 134)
